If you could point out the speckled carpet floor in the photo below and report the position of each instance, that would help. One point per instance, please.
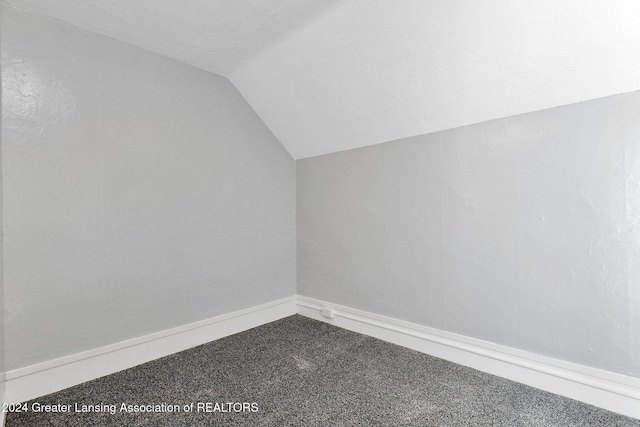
(300, 372)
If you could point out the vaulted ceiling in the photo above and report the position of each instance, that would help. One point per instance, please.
(331, 75)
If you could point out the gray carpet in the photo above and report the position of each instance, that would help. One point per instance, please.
(300, 372)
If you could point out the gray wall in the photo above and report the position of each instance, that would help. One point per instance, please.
(140, 193)
(522, 231)
(2, 343)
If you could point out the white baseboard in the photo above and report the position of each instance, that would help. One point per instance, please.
(54, 375)
(608, 390)
(614, 392)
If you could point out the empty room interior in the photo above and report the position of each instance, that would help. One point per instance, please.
(336, 212)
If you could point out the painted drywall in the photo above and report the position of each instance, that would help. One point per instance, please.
(333, 75)
(372, 71)
(140, 193)
(523, 231)
(215, 35)
(2, 344)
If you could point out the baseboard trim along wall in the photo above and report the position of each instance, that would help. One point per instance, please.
(54, 375)
(608, 390)
(614, 392)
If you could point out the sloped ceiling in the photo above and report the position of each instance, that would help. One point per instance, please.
(216, 35)
(327, 76)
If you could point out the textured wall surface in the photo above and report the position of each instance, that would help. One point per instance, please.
(2, 343)
(523, 231)
(140, 193)
(333, 75)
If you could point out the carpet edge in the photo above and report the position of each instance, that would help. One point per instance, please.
(608, 390)
(54, 375)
